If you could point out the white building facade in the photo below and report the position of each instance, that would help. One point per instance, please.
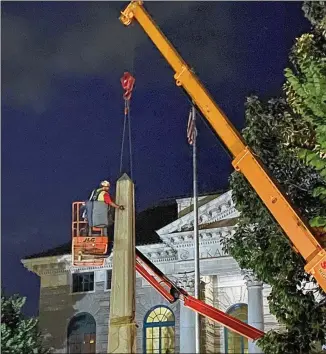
(74, 302)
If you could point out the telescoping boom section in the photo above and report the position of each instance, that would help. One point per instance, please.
(171, 292)
(244, 160)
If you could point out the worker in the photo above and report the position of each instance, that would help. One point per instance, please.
(102, 195)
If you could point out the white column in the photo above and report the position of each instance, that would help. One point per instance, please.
(255, 308)
(187, 321)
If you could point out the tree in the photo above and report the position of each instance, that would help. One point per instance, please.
(315, 12)
(19, 335)
(289, 136)
(305, 90)
(259, 243)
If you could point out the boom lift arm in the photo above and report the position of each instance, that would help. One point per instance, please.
(171, 292)
(244, 160)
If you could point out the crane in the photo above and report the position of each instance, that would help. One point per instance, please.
(92, 250)
(244, 159)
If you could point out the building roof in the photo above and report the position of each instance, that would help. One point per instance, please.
(207, 194)
(220, 223)
(204, 200)
(147, 222)
(211, 225)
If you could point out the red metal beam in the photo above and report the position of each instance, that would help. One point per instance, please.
(194, 304)
(228, 321)
(143, 272)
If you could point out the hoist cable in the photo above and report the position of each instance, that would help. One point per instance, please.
(129, 114)
(130, 149)
(123, 136)
(127, 82)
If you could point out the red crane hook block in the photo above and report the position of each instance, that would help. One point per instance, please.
(127, 82)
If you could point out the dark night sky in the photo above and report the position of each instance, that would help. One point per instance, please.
(62, 106)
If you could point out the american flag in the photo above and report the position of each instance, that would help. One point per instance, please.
(191, 128)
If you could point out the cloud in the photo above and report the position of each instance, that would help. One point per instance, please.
(24, 64)
(34, 58)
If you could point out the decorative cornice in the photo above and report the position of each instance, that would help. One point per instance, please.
(80, 269)
(45, 266)
(159, 252)
(251, 279)
(187, 282)
(176, 247)
(59, 265)
(185, 239)
(221, 207)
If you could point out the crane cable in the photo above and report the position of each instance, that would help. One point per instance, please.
(127, 82)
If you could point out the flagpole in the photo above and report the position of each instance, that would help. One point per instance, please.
(196, 236)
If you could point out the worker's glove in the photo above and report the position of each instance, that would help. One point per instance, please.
(121, 207)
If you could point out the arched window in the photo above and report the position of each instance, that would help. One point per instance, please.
(234, 343)
(159, 336)
(82, 334)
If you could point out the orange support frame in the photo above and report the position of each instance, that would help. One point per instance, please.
(297, 230)
(87, 250)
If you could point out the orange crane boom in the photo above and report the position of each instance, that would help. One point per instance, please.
(244, 160)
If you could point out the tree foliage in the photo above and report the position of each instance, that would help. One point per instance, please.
(259, 243)
(315, 12)
(305, 90)
(19, 335)
(288, 135)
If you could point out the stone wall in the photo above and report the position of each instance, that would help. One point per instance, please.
(58, 305)
(270, 321)
(146, 299)
(210, 334)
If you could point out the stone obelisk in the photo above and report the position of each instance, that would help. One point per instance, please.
(122, 326)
